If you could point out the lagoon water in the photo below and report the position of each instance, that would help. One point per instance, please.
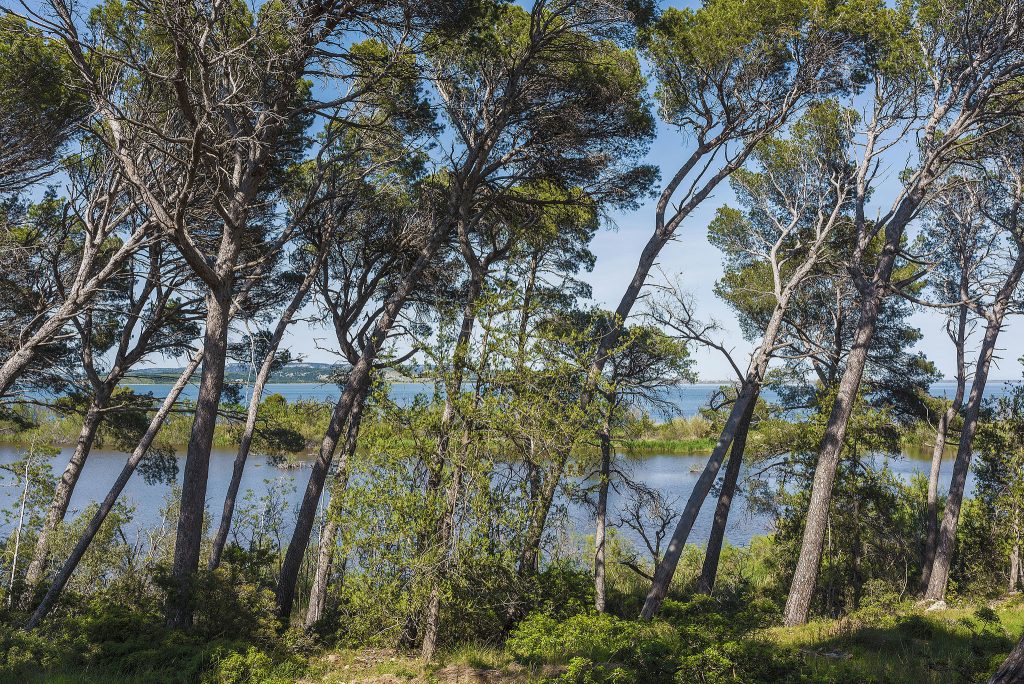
(672, 475)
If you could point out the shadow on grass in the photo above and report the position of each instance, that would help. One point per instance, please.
(907, 649)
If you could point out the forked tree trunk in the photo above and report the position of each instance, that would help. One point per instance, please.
(666, 568)
(355, 389)
(747, 396)
(954, 500)
(65, 488)
(197, 462)
(709, 571)
(329, 535)
(941, 435)
(64, 574)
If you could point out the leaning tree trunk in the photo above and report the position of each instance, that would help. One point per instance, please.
(747, 396)
(600, 598)
(329, 535)
(355, 388)
(197, 461)
(709, 571)
(65, 488)
(667, 567)
(64, 574)
(1012, 669)
(954, 500)
(932, 510)
(805, 578)
(245, 444)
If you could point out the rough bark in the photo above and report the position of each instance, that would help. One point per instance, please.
(197, 461)
(709, 570)
(1012, 669)
(64, 574)
(798, 604)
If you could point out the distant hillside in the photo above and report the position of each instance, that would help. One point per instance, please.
(298, 372)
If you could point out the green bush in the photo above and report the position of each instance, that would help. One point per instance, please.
(597, 639)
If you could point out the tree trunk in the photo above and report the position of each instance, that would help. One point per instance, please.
(954, 500)
(932, 511)
(805, 577)
(600, 598)
(355, 388)
(329, 536)
(432, 618)
(709, 571)
(749, 390)
(1012, 669)
(197, 461)
(941, 434)
(64, 574)
(65, 488)
(1014, 566)
(453, 387)
(667, 567)
(245, 444)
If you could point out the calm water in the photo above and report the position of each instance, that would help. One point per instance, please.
(674, 476)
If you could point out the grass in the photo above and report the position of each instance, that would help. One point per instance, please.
(696, 445)
(908, 646)
(894, 645)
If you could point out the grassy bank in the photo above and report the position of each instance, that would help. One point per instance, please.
(694, 446)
